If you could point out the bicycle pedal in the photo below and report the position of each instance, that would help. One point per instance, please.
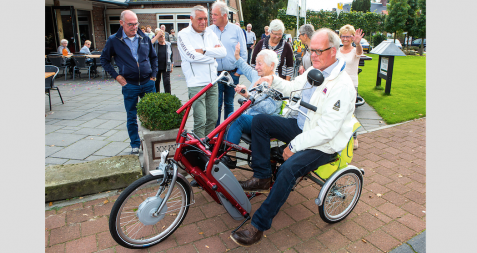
(194, 183)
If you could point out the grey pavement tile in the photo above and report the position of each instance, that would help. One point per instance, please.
(89, 116)
(63, 131)
(94, 123)
(81, 149)
(418, 243)
(127, 151)
(404, 248)
(51, 121)
(95, 157)
(371, 127)
(55, 161)
(95, 137)
(123, 126)
(51, 150)
(114, 108)
(114, 115)
(62, 140)
(67, 122)
(72, 161)
(372, 122)
(112, 149)
(52, 128)
(91, 131)
(66, 115)
(111, 124)
(110, 132)
(119, 136)
(367, 115)
(72, 128)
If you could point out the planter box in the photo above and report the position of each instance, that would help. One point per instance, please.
(153, 143)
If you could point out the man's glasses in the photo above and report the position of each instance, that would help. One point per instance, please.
(132, 25)
(318, 51)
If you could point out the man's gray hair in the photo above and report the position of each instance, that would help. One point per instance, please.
(222, 6)
(63, 40)
(277, 25)
(333, 38)
(124, 14)
(269, 57)
(307, 29)
(249, 25)
(198, 8)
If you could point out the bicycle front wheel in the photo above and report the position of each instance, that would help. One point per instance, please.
(132, 222)
(341, 197)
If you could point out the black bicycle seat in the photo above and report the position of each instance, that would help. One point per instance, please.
(247, 138)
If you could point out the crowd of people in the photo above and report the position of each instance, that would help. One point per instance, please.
(144, 57)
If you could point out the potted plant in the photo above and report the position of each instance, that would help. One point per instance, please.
(159, 125)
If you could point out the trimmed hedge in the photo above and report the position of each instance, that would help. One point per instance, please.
(157, 111)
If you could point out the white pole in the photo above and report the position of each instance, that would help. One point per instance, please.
(297, 17)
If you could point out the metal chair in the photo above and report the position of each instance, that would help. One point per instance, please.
(80, 63)
(113, 63)
(50, 82)
(58, 61)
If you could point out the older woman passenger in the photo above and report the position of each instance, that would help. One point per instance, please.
(279, 45)
(306, 31)
(267, 61)
(351, 55)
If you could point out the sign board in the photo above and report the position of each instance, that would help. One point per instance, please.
(159, 146)
(303, 9)
(292, 7)
(384, 66)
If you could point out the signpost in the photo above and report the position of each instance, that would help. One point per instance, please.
(386, 51)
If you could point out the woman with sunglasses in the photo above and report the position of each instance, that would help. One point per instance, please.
(351, 55)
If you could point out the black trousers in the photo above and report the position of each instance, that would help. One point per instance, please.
(166, 79)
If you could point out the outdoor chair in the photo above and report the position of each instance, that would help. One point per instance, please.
(97, 61)
(112, 64)
(80, 63)
(58, 61)
(50, 82)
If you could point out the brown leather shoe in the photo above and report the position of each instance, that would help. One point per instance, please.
(247, 236)
(256, 185)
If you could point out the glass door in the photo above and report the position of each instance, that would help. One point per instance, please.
(65, 20)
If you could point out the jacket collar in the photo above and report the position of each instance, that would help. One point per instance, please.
(338, 69)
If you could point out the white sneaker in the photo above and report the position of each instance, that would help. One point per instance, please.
(135, 151)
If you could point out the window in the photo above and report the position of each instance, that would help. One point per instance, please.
(176, 21)
(183, 16)
(113, 17)
(166, 17)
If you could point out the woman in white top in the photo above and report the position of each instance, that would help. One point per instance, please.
(351, 55)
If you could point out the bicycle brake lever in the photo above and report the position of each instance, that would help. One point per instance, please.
(296, 107)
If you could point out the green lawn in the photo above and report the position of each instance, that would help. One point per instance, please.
(407, 100)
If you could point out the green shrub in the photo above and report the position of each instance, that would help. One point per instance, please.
(157, 111)
(378, 38)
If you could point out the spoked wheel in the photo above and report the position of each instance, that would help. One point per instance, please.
(341, 197)
(132, 222)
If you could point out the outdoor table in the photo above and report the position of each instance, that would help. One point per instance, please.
(364, 58)
(48, 74)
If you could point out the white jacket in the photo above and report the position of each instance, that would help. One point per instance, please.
(199, 69)
(331, 126)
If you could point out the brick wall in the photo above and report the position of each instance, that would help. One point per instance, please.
(98, 21)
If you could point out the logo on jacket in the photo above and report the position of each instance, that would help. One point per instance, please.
(336, 106)
(325, 90)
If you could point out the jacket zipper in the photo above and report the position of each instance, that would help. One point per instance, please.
(137, 60)
(121, 39)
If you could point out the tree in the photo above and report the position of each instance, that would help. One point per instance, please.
(397, 16)
(411, 19)
(259, 13)
(419, 28)
(361, 5)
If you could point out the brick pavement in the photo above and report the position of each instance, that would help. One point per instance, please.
(390, 212)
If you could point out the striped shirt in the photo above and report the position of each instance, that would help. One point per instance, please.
(286, 70)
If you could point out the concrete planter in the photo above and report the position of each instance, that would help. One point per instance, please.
(153, 143)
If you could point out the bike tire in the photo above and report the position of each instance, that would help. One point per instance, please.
(334, 207)
(124, 224)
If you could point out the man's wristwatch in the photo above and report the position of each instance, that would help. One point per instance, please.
(204, 51)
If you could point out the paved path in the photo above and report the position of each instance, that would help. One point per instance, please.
(392, 210)
(91, 124)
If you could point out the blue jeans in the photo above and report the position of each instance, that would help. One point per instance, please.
(226, 96)
(131, 92)
(242, 124)
(265, 127)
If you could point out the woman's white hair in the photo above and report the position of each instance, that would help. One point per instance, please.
(63, 40)
(198, 8)
(333, 38)
(269, 57)
(223, 7)
(277, 25)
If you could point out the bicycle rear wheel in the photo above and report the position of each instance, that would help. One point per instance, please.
(132, 223)
(341, 197)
